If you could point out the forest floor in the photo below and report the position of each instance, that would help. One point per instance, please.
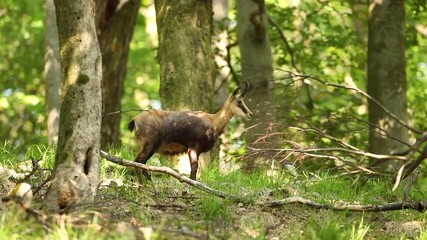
(170, 209)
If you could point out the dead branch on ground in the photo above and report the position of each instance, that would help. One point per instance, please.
(168, 171)
(420, 206)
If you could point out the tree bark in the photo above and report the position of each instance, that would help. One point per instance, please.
(387, 78)
(184, 54)
(185, 57)
(52, 69)
(257, 69)
(115, 22)
(76, 172)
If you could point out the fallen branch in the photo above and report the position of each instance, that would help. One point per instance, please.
(168, 171)
(420, 206)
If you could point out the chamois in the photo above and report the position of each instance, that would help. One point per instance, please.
(194, 132)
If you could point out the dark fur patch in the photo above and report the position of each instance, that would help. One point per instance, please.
(175, 132)
(188, 130)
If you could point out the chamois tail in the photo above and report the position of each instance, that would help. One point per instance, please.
(131, 125)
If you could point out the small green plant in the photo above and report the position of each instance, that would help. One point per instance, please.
(360, 232)
(326, 230)
(214, 208)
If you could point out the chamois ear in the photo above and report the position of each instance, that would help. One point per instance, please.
(236, 91)
(242, 90)
(245, 88)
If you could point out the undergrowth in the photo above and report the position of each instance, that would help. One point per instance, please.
(168, 208)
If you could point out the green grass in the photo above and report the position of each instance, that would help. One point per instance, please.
(175, 210)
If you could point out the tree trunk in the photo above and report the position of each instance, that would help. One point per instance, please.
(387, 78)
(115, 23)
(185, 56)
(257, 69)
(52, 69)
(76, 172)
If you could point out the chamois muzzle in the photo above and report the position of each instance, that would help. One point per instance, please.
(248, 114)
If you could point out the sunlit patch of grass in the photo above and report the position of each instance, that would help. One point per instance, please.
(111, 170)
(326, 229)
(8, 154)
(330, 188)
(45, 155)
(241, 183)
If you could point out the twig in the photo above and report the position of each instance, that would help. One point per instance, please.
(228, 59)
(33, 170)
(285, 41)
(412, 166)
(357, 152)
(408, 167)
(181, 206)
(168, 171)
(414, 177)
(123, 111)
(420, 206)
(357, 90)
(398, 178)
(183, 197)
(42, 184)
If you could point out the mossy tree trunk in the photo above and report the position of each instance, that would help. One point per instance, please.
(76, 172)
(257, 69)
(184, 54)
(387, 78)
(185, 57)
(116, 23)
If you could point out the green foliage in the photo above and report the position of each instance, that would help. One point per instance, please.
(22, 103)
(416, 53)
(21, 79)
(328, 40)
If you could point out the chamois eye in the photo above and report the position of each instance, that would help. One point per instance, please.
(239, 101)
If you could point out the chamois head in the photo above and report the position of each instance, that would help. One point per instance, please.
(236, 103)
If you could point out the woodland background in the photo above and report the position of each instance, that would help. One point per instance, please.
(312, 113)
(327, 40)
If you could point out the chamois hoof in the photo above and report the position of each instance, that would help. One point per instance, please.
(143, 176)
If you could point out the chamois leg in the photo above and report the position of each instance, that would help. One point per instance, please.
(194, 159)
(143, 156)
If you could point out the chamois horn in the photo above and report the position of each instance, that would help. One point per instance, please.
(245, 88)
